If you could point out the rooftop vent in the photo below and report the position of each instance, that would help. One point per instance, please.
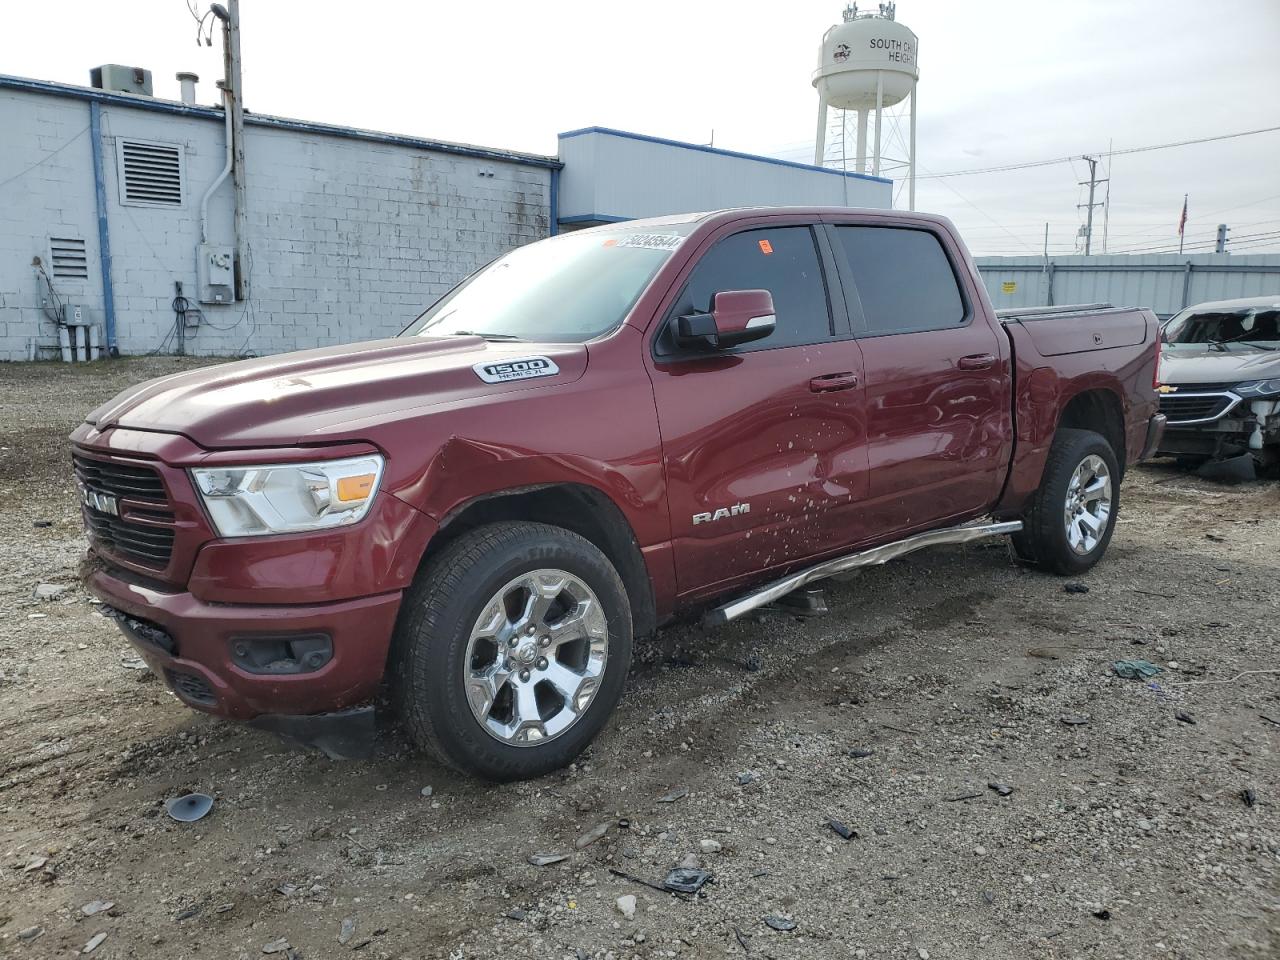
(120, 79)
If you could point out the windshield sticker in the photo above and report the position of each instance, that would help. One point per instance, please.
(521, 368)
(647, 241)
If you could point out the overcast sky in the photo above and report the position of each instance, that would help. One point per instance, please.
(1001, 82)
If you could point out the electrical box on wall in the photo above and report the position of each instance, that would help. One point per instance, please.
(215, 273)
(73, 315)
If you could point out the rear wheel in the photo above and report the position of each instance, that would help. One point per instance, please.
(1073, 514)
(512, 650)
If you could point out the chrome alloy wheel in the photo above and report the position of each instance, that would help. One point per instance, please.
(1088, 506)
(535, 657)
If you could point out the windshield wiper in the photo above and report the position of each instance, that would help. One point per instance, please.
(1243, 338)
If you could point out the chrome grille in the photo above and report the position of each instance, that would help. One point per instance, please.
(1191, 407)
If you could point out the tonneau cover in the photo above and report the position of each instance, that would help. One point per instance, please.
(1056, 331)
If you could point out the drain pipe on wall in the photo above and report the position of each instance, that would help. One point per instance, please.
(553, 201)
(104, 234)
(226, 169)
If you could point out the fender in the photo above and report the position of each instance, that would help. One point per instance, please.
(648, 575)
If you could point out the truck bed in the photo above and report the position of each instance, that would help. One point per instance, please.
(1079, 328)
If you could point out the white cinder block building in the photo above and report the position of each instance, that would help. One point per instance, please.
(350, 233)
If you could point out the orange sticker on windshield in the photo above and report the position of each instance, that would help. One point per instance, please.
(611, 243)
(766, 247)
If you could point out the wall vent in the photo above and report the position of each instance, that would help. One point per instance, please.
(69, 259)
(150, 173)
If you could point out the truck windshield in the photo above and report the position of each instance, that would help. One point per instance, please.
(1250, 327)
(566, 289)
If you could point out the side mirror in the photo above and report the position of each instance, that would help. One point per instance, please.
(737, 316)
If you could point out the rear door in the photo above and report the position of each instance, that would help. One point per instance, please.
(937, 376)
(763, 444)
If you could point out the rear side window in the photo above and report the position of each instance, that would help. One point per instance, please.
(782, 260)
(903, 278)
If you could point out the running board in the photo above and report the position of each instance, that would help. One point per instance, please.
(867, 558)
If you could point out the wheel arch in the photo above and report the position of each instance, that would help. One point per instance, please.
(1101, 410)
(577, 507)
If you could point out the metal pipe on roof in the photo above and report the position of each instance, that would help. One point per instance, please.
(187, 83)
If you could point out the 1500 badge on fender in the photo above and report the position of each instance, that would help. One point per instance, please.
(522, 368)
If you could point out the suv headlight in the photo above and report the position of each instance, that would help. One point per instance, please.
(1256, 389)
(288, 497)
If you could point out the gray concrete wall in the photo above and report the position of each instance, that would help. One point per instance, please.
(349, 238)
(1165, 283)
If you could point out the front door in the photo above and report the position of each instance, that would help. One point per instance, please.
(763, 444)
(937, 379)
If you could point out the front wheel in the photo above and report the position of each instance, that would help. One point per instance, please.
(1073, 514)
(511, 650)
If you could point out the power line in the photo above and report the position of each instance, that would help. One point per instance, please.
(1258, 243)
(1046, 163)
(1166, 248)
(45, 159)
(982, 212)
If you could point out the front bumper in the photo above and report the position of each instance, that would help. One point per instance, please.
(1252, 428)
(1155, 433)
(190, 644)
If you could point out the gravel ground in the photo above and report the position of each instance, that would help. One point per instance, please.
(1127, 833)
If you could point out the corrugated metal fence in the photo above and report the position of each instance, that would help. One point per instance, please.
(1163, 282)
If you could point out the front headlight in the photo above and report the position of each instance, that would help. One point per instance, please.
(1256, 389)
(288, 497)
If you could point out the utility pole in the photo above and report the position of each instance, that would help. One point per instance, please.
(1106, 200)
(233, 103)
(1092, 184)
(1044, 269)
(1221, 245)
(237, 164)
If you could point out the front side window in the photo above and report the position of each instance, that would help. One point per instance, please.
(568, 289)
(903, 280)
(782, 260)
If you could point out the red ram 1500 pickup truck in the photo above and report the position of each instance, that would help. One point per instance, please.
(591, 436)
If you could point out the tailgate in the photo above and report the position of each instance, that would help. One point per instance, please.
(1083, 331)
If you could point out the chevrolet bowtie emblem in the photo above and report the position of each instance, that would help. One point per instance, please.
(1165, 388)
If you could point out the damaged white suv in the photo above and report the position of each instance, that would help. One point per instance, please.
(1220, 384)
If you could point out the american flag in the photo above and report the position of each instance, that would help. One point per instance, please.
(1182, 221)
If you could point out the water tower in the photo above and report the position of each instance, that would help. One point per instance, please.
(866, 64)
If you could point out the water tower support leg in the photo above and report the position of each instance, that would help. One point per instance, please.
(820, 142)
(875, 163)
(862, 141)
(911, 183)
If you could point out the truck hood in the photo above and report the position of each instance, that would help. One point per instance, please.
(1200, 364)
(330, 394)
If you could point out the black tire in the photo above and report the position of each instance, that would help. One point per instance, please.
(1043, 539)
(435, 624)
